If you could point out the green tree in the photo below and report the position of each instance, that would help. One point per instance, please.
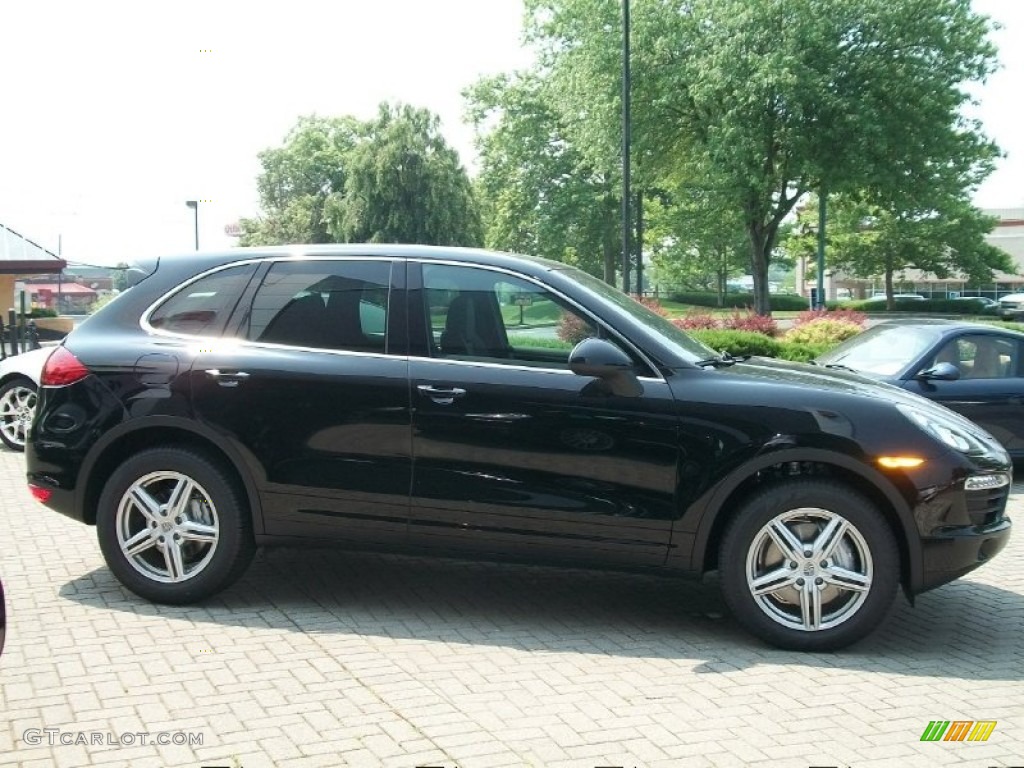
(389, 179)
(766, 101)
(405, 185)
(867, 239)
(298, 180)
(539, 194)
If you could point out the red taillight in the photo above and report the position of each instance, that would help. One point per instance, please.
(62, 368)
(40, 494)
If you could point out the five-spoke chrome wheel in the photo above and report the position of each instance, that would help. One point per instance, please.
(809, 563)
(17, 408)
(809, 569)
(167, 526)
(174, 524)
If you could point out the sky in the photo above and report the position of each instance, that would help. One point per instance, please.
(116, 113)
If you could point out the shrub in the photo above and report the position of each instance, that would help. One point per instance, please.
(739, 342)
(573, 329)
(802, 352)
(777, 301)
(822, 331)
(846, 315)
(749, 321)
(697, 321)
(652, 304)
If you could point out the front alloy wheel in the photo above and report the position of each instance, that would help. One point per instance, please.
(809, 564)
(18, 399)
(173, 525)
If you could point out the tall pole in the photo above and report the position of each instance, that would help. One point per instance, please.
(194, 205)
(822, 203)
(627, 223)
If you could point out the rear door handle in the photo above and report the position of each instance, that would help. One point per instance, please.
(227, 378)
(440, 395)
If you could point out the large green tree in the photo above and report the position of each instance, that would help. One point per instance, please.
(405, 185)
(539, 194)
(298, 179)
(765, 101)
(870, 238)
(389, 179)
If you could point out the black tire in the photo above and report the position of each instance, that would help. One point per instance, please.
(17, 395)
(865, 562)
(215, 503)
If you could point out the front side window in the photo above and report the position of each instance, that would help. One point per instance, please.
(980, 357)
(485, 315)
(340, 305)
(202, 308)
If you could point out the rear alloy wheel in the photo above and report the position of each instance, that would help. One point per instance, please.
(18, 399)
(172, 526)
(809, 565)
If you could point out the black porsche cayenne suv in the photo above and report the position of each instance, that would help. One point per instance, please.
(474, 404)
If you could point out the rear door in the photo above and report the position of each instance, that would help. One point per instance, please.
(313, 391)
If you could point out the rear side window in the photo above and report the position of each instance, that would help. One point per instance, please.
(340, 305)
(202, 308)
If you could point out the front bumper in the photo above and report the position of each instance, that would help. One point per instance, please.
(974, 528)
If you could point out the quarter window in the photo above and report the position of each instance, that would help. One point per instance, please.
(202, 308)
(339, 305)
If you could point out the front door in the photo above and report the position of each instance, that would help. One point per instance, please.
(513, 453)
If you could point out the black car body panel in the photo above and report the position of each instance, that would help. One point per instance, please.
(387, 443)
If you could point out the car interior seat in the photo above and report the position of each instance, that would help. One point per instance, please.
(474, 328)
(344, 321)
(300, 323)
(987, 362)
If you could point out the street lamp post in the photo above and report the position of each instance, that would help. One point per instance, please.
(194, 205)
(626, 221)
(822, 202)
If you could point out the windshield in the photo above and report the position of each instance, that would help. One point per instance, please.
(884, 350)
(688, 348)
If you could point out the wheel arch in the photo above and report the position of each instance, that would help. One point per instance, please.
(730, 493)
(160, 431)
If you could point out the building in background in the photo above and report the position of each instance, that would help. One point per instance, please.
(20, 258)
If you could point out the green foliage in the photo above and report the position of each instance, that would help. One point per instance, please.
(937, 306)
(539, 194)
(739, 342)
(763, 102)
(390, 179)
(779, 301)
(802, 352)
(405, 185)
(42, 313)
(822, 331)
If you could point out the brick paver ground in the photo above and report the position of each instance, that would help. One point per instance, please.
(330, 659)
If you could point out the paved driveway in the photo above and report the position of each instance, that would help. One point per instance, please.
(331, 659)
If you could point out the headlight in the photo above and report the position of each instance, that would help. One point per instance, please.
(946, 430)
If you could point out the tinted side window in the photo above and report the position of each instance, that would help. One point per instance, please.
(202, 308)
(480, 314)
(981, 357)
(324, 305)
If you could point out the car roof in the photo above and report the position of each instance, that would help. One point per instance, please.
(200, 261)
(949, 326)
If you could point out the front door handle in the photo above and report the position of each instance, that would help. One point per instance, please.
(440, 395)
(227, 378)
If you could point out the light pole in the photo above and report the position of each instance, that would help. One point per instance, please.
(194, 205)
(626, 222)
(822, 202)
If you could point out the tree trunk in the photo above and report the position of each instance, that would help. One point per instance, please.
(890, 302)
(760, 245)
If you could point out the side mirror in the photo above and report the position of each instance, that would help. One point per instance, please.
(940, 372)
(603, 360)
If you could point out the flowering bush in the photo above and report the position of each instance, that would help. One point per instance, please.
(822, 331)
(573, 329)
(751, 321)
(693, 321)
(652, 304)
(846, 315)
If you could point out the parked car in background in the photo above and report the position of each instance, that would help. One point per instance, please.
(19, 383)
(984, 303)
(897, 297)
(974, 369)
(395, 398)
(1011, 306)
